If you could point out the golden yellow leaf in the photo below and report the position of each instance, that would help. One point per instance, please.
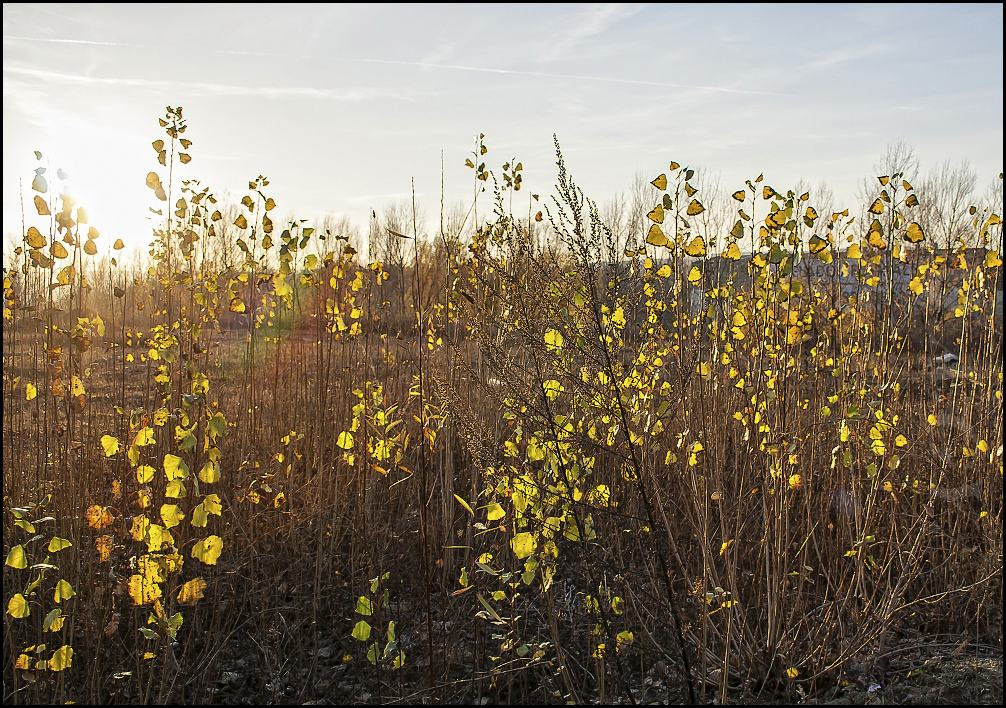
(35, 238)
(191, 592)
(696, 248)
(656, 237)
(143, 590)
(98, 517)
(110, 445)
(208, 549)
(733, 253)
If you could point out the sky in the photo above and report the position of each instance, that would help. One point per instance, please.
(342, 106)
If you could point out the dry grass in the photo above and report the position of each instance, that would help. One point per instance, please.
(535, 468)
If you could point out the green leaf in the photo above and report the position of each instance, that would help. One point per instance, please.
(16, 557)
(363, 606)
(361, 631)
(58, 544)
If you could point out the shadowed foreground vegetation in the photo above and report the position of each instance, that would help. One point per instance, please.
(527, 458)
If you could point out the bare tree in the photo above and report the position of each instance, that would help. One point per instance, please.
(899, 158)
(945, 194)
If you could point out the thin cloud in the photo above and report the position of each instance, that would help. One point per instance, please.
(423, 65)
(596, 20)
(573, 77)
(53, 40)
(357, 94)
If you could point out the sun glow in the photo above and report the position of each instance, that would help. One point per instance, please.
(101, 170)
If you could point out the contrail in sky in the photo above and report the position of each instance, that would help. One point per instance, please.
(445, 67)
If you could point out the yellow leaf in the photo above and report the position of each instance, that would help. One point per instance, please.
(914, 234)
(877, 207)
(171, 515)
(64, 591)
(62, 658)
(208, 549)
(212, 504)
(656, 214)
(110, 445)
(739, 195)
(465, 504)
(210, 472)
(523, 544)
(144, 474)
(345, 440)
(660, 182)
(553, 340)
(30, 392)
(695, 275)
(655, 236)
(175, 467)
(191, 592)
(696, 248)
(16, 557)
(552, 389)
(695, 208)
(143, 590)
(17, 607)
(35, 238)
(98, 517)
(495, 512)
(57, 544)
(733, 253)
(144, 436)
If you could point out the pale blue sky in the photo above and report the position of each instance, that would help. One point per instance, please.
(341, 105)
